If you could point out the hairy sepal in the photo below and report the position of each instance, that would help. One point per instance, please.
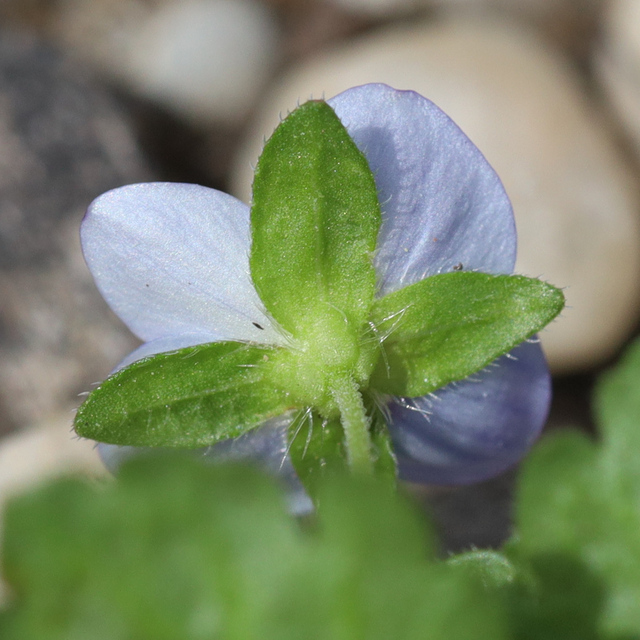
(190, 398)
(314, 225)
(447, 327)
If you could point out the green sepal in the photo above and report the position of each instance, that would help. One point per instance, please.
(448, 326)
(317, 449)
(385, 464)
(314, 222)
(189, 398)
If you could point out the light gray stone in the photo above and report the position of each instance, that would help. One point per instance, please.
(63, 141)
(568, 23)
(617, 61)
(574, 196)
(206, 60)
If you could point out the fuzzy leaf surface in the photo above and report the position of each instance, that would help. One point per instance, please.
(446, 327)
(187, 398)
(314, 223)
(176, 549)
(581, 499)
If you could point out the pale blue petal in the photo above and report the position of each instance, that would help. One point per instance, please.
(172, 259)
(162, 345)
(443, 205)
(476, 428)
(266, 446)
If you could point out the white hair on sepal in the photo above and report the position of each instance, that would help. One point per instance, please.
(396, 316)
(340, 311)
(383, 203)
(410, 405)
(308, 415)
(188, 354)
(376, 337)
(381, 336)
(298, 422)
(494, 364)
(381, 402)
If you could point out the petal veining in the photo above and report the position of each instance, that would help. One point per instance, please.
(172, 259)
(476, 428)
(443, 205)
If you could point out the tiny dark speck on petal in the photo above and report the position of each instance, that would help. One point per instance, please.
(458, 267)
(146, 285)
(255, 324)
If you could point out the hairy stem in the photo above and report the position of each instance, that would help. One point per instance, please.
(355, 423)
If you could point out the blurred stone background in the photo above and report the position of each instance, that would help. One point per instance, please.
(98, 94)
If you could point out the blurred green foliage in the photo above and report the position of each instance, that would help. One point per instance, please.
(179, 550)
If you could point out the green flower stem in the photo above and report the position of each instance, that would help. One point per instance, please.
(355, 423)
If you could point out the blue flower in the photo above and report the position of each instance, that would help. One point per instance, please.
(172, 260)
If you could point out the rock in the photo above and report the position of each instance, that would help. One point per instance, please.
(574, 197)
(206, 60)
(378, 8)
(44, 451)
(571, 24)
(63, 141)
(617, 61)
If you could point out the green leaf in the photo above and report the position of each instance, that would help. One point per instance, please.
(188, 398)
(571, 503)
(172, 550)
(383, 580)
(175, 549)
(314, 221)
(492, 568)
(557, 598)
(558, 491)
(446, 327)
(617, 407)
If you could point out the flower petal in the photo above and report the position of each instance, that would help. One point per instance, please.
(266, 446)
(269, 447)
(443, 205)
(476, 428)
(172, 259)
(164, 345)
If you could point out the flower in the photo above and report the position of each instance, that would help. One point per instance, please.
(172, 260)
